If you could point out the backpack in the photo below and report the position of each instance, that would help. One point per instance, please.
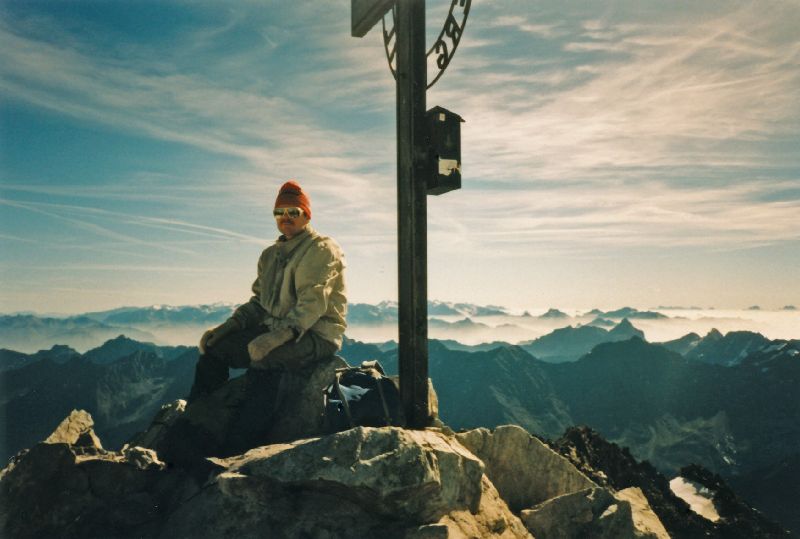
(362, 396)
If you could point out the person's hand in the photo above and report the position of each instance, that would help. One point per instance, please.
(213, 335)
(262, 345)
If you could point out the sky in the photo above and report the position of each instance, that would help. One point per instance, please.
(614, 153)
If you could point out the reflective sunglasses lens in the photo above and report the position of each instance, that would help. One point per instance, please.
(294, 213)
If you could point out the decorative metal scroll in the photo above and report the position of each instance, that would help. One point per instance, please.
(445, 45)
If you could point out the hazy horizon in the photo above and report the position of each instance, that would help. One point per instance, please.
(512, 328)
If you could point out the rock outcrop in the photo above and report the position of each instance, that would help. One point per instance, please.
(525, 471)
(733, 513)
(553, 497)
(615, 468)
(60, 489)
(252, 460)
(76, 430)
(259, 408)
(363, 482)
(592, 512)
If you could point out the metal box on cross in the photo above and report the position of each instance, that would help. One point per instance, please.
(444, 142)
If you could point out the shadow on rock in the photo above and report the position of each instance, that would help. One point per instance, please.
(259, 408)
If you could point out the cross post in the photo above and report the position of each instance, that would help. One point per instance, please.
(412, 158)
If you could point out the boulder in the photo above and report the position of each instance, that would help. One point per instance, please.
(645, 521)
(160, 425)
(259, 408)
(76, 429)
(417, 475)
(592, 512)
(493, 519)
(61, 489)
(364, 482)
(525, 471)
(548, 490)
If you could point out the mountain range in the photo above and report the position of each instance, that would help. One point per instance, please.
(727, 402)
(570, 343)
(28, 333)
(122, 383)
(164, 324)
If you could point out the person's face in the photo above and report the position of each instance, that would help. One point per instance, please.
(290, 220)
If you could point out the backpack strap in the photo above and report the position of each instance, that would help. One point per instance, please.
(387, 418)
(372, 364)
(339, 392)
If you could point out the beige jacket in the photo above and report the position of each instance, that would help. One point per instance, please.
(300, 284)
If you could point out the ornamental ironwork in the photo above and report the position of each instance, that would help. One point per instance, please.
(441, 52)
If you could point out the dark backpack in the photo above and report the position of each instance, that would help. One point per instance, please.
(362, 396)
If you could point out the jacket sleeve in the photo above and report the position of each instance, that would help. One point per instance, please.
(251, 314)
(316, 274)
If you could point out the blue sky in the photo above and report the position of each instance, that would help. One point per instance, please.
(616, 153)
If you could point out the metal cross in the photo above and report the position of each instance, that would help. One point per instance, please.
(405, 50)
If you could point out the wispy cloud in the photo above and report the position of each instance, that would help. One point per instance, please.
(85, 218)
(522, 24)
(270, 131)
(590, 132)
(698, 96)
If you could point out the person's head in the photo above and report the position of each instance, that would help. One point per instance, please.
(292, 209)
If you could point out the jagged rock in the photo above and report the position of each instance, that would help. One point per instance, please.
(528, 473)
(418, 475)
(592, 512)
(525, 471)
(261, 407)
(61, 489)
(76, 429)
(364, 482)
(433, 398)
(493, 519)
(733, 513)
(614, 467)
(162, 422)
(143, 458)
(645, 521)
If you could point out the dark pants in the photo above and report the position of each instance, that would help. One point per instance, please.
(231, 352)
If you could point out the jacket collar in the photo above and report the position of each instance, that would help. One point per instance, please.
(286, 247)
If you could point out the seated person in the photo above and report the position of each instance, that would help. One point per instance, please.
(297, 313)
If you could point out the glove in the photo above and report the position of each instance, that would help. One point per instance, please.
(262, 345)
(211, 336)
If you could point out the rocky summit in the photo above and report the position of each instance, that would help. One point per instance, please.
(202, 470)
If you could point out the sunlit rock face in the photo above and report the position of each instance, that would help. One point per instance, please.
(363, 482)
(525, 471)
(553, 497)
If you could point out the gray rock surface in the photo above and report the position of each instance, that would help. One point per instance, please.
(592, 512)
(76, 429)
(162, 422)
(364, 482)
(259, 408)
(525, 471)
(645, 521)
(417, 475)
(59, 490)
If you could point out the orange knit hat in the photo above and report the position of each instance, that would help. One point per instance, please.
(292, 195)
